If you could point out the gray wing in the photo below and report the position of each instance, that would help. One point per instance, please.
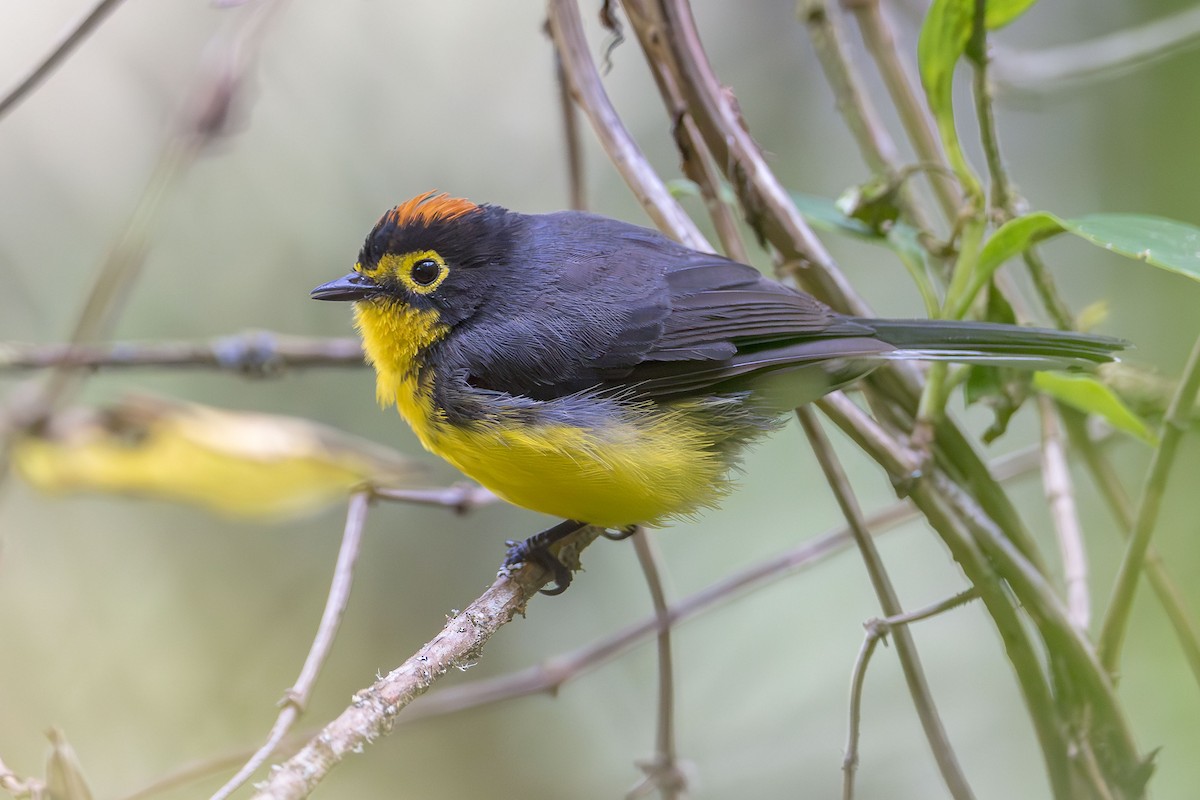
(625, 308)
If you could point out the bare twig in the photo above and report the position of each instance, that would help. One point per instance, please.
(906, 648)
(72, 37)
(296, 698)
(623, 151)
(880, 42)
(964, 528)
(374, 709)
(253, 353)
(668, 36)
(1060, 494)
(877, 631)
(461, 497)
(204, 118)
(662, 771)
(576, 189)
(1064, 67)
(1174, 425)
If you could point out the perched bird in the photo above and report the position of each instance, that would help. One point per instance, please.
(598, 371)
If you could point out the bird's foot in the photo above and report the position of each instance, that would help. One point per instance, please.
(536, 550)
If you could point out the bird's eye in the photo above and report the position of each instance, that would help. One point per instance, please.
(425, 271)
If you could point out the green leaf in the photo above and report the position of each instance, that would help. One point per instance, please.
(824, 213)
(1001, 12)
(1086, 393)
(1165, 243)
(944, 38)
(1015, 237)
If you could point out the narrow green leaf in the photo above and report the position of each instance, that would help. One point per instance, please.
(1086, 393)
(1015, 237)
(944, 38)
(824, 213)
(1001, 12)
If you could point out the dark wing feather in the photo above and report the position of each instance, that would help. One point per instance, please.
(622, 307)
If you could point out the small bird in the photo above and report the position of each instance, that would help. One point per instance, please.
(598, 371)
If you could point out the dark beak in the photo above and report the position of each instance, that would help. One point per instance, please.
(351, 286)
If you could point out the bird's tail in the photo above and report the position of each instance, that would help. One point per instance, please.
(993, 344)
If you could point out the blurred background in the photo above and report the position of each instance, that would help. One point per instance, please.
(156, 635)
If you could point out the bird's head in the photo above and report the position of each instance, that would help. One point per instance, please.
(436, 255)
(427, 266)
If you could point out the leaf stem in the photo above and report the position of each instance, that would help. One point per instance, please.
(1175, 423)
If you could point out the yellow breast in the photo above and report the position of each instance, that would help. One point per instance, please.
(644, 464)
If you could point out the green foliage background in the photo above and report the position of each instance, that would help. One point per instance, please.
(156, 635)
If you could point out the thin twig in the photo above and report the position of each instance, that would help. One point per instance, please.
(1066, 66)
(203, 120)
(576, 189)
(1165, 587)
(880, 42)
(588, 91)
(662, 771)
(877, 631)
(296, 698)
(1174, 425)
(374, 709)
(889, 601)
(1060, 494)
(953, 528)
(71, 38)
(461, 497)
(253, 353)
(668, 35)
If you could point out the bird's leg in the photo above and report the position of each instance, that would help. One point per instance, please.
(536, 550)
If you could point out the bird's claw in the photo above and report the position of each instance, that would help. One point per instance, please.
(532, 552)
(619, 534)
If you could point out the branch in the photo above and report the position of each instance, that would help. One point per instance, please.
(1174, 425)
(205, 117)
(296, 698)
(460, 498)
(881, 44)
(252, 353)
(1064, 67)
(877, 631)
(889, 601)
(662, 771)
(1060, 494)
(374, 709)
(1165, 588)
(576, 189)
(618, 143)
(71, 38)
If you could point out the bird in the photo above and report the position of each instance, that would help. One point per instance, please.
(595, 370)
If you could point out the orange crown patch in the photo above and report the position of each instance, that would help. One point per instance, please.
(429, 208)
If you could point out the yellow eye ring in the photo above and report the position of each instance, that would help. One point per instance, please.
(421, 271)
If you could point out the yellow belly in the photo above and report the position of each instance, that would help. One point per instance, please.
(638, 470)
(642, 465)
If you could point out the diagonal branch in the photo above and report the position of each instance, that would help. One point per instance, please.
(889, 601)
(374, 710)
